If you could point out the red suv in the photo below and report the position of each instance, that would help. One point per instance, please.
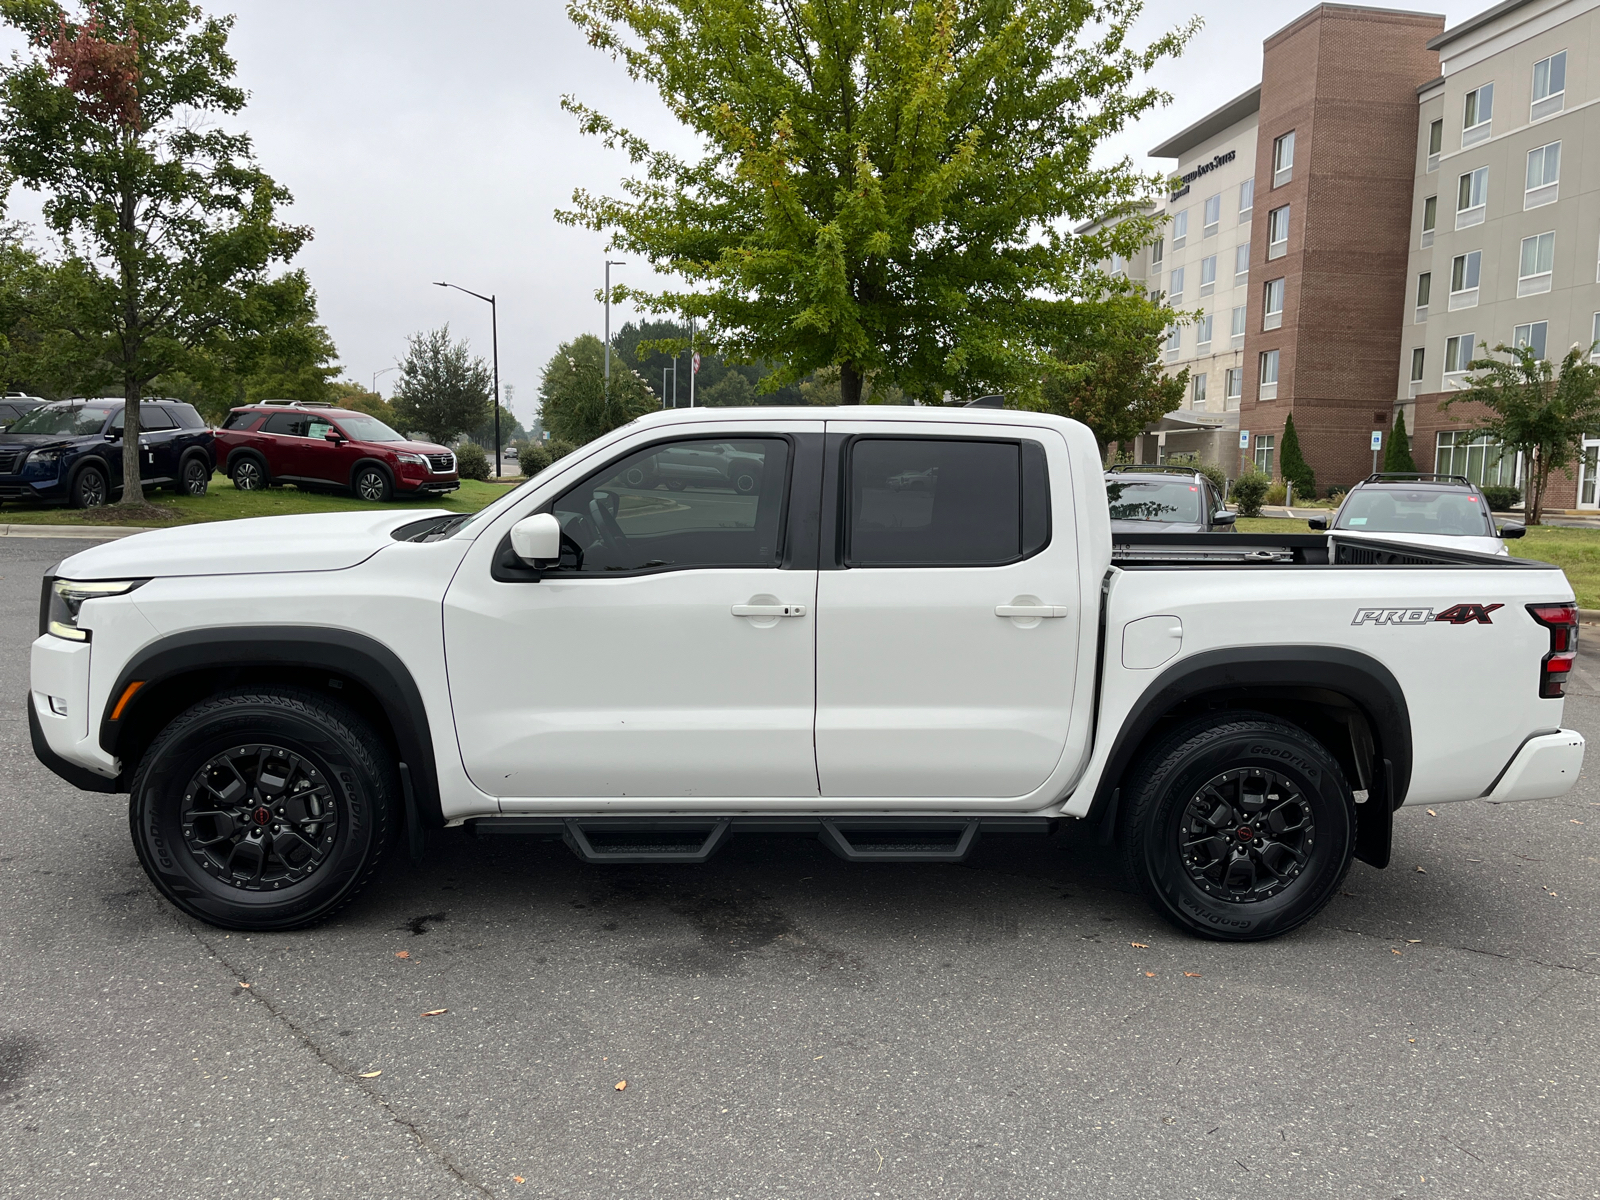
(319, 446)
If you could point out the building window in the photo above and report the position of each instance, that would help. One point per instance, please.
(1119, 265)
(1239, 318)
(1278, 232)
(1241, 263)
(1175, 291)
(1475, 455)
(1418, 357)
(1269, 375)
(1157, 250)
(1208, 275)
(1272, 309)
(1477, 115)
(1544, 176)
(1549, 85)
(1464, 280)
(1180, 229)
(1213, 214)
(1197, 390)
(1233, 386)
(1594, 342)
(1424, 288)
(1538, 260)
(1174, 340)
(1264, 442)
(1430, 220)
(1283, 159)
(1247, 199)
(1435, 143)
(1472, 195)
(1533, 335)
(1202, 330)
(1458, 353)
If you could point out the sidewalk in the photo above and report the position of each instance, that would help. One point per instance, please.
(95, 532)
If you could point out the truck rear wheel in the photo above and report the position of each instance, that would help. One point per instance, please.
(263, 808)
(1239, 827)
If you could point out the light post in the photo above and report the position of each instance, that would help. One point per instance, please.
(375, 375)
(494, 335)
(609, 264)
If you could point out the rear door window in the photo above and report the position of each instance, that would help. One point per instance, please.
(288, 424)
(240, 420)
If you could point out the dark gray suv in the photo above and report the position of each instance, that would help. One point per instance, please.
(1147, 499)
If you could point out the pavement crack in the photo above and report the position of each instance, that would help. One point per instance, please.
(341, 1067)
(1577, 969)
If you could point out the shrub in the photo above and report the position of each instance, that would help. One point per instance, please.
(560, 448)
(1216, 474)
(1336, 493)
(1249, 490)
(471, 461)
(1292, 464)
(1397, 454)
(1502, 499)
(533, 457)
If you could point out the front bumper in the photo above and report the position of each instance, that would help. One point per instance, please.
(78, 777)
(1543, 767)
(19, 487)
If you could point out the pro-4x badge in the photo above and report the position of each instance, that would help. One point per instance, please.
(1456, 614)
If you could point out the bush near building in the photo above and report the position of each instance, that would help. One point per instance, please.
(1292, 464)
(1502, 499)
(1397, 454)
(471, 461)
(1249, 491)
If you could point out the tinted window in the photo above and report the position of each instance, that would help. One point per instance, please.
(1155, 500)
(74, 420)
(150, 417)
(320, 427)
(683, 504)
(290, 424)
(944, 502)
(240, 420)
(7, 413)
(1401, 510)
(187, 417)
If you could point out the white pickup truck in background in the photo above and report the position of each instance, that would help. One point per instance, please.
(895, 628)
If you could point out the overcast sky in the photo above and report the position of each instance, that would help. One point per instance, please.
(425, 141)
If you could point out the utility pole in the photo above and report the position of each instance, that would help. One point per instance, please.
(609, 264)
(494, 327)
(694, 363)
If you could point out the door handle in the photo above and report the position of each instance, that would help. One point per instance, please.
(1030, 610)
(769, 610)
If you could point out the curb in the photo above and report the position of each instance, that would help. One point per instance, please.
(1589, 616)
(96, 532)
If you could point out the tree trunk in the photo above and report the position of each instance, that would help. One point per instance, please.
(849, 384)
(132, 488)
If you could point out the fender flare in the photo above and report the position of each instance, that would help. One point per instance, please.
(333, 651)
(360, 463)
(240, 452)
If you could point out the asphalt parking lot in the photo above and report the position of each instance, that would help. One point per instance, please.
(789, 1025)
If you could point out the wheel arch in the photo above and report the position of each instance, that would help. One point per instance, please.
(178, 670)
(241, 452)
(362, 463)
(1348, 701)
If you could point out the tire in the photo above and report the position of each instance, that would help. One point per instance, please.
(233, 865)
(1201, 870)
(194, 476)
(248, 474)
(89, 488)
(372, 483)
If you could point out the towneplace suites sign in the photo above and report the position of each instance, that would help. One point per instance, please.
(1181, 183)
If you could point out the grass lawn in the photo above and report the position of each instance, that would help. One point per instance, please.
(1575, 551)
(224, 502)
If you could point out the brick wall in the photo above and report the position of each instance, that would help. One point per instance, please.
(1431, 419)
(1344, 80)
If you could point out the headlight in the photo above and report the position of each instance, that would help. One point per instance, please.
(67, 597)
(412, 458)
(49, 457)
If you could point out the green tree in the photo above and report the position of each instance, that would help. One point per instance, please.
(1535, 410)
(1110, 376)
(443, 389)
(169, 222)
(577, 404)
(886, 185)
(1397, 454)
(511, 431)
(1292, 464)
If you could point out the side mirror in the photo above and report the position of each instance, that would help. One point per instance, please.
(333, 436)
(1224, 517)
(1317, 522)
(1513, 530)
(537, 539)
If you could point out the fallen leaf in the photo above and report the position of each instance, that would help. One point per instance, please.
(622, 1085)
(1575, 821)
(1191, 974)
(1411, 1039)
(518, 1179)
(371, 1074)
(436, 1012)
(1420, 871)
(1413, 941)
(1149, 974)
(244, 985)
(1431, 813)
(1392, 950)
(1139, 945)
(402, 954)
(818, 1058)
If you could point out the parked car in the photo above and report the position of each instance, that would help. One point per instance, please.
(910, 669)
(318, 446)
(15, 404)
(1446, 511)
(704, 465)
(1150, 499)
(71, 451)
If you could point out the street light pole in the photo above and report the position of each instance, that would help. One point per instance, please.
(609, 264)
(694, 368)
(494, 335)
(375, 375)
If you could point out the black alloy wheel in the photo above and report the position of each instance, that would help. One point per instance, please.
(196, 476)
(1238, 826)
(372, 483)
(263, 808)
(89, 488)
(248, 475)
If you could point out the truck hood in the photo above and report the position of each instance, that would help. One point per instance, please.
(253, 546)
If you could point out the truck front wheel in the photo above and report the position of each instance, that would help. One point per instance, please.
(1239, 827)
(263, 808)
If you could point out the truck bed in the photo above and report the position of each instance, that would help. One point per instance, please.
(1165, 550)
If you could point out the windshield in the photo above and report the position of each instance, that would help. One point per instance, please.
(1397, 510)
(362, 428)
(1154, 500)
(65, 420)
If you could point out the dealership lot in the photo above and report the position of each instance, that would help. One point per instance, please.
(789, 1025)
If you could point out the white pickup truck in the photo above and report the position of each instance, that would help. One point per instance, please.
(896, 628)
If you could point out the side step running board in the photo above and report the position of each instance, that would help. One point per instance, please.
(899, 841)
(645, 841)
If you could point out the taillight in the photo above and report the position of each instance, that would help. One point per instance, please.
(1562, 622)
